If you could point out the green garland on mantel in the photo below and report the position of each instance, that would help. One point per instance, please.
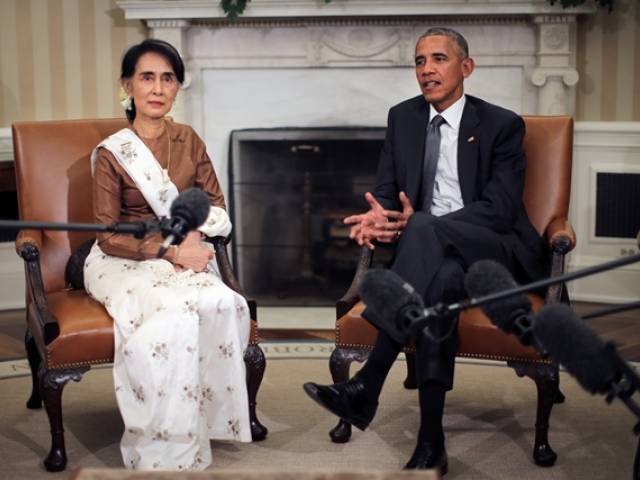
(235, 8)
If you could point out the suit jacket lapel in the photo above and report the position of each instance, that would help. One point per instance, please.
(468, 138)
(417, 135)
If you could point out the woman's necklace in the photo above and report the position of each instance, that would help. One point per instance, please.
(165, 171)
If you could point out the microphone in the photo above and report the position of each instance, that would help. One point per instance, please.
(394, 306)
(597, 366)
(188, 211)
(511, 314)
(576, 347)
(391, 303)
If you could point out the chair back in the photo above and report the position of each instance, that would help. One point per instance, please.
(548, 146)
(53, 177)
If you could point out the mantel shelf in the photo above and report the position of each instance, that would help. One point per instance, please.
(210, 9)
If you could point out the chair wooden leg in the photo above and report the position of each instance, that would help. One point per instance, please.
(339, 364)
(546, 378)
(33, 356)
(52, 382)
(255, 363)
(411, 383)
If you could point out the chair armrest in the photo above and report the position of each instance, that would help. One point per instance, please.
(350, 298)
(33, 237)
(28, 245)
(562, 239)
(561, 236)
(226, 272)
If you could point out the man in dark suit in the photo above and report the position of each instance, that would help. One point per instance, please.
(449, 193)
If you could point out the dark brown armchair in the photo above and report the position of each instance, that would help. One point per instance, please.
(67, 331)
(548, 146)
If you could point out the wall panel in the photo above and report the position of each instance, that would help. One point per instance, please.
(60, 59)
(608, 62)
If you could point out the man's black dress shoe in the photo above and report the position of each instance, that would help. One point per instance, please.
(428, 455)
(347, 400)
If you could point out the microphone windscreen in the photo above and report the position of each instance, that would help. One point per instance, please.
(387, 295)
(192, 206)
(486, 277)
(575, 346)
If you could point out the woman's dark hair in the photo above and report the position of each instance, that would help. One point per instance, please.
(165, 49)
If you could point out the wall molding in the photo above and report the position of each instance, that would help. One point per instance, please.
(6, 145)
(601, 147)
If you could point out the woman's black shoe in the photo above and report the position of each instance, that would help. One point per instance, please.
(426, 456)
(347, 400)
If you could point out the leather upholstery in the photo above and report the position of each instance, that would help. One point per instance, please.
(478, 337)
(548, 180)
(548, 147)
(54, 185)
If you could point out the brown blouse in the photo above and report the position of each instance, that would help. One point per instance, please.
(116, 197)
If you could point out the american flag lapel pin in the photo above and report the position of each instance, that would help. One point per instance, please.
(471, 139)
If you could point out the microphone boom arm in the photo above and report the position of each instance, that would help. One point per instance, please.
(137, 229)
(585, 272)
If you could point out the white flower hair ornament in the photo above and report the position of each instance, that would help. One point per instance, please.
(125, 100)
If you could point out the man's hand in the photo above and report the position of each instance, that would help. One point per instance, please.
(192, 254)
(362, 225)
(376, 225)
(390, 231)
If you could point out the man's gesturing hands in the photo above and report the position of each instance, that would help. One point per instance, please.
(379, 224)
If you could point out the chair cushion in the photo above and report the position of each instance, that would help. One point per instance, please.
(86, 331)
(478, 337)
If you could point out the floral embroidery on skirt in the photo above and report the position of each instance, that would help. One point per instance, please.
(178, 370)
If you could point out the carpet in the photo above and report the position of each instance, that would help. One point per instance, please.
(489, 422)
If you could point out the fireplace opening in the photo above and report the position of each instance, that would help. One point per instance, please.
(290, 190)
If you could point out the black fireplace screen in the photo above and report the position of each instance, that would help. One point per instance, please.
(290, 190)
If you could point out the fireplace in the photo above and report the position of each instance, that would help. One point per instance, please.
(290, 189)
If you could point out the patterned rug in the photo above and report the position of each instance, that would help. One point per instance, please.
(489, 423)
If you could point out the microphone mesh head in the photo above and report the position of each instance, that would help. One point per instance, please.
(387, 297)
(576, 347)
(486, 277)
(192, 206)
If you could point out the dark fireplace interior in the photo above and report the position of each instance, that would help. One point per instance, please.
(290, 189)
(8, 199)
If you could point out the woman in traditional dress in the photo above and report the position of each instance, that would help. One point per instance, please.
(180, 333)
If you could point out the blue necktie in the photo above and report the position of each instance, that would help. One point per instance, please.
(431, 154)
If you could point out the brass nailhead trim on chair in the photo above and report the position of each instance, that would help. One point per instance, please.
(466, 355)
(77, 364)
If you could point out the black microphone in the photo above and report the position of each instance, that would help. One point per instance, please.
(391, 303)
(511, 314)
(394, 306)
(576, 347)
(188, 211)
(596, 365)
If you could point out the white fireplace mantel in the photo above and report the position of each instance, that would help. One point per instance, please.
(210, 9)
(308, 63)
(533, 36)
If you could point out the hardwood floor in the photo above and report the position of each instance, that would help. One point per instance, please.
(622, 328)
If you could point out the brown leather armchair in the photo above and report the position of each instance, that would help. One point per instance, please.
(67, 331)
(548, 147)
